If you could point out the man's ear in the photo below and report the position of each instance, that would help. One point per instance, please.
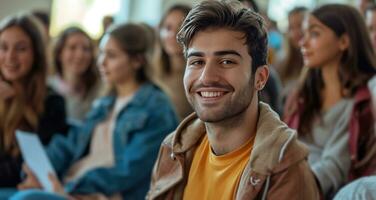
(261, 77)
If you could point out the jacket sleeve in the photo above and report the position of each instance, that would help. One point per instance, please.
(332, 168)
(360, 189)
(61, 150)
(53, 120)
(135, 165)
(295, 183)
(10, 168)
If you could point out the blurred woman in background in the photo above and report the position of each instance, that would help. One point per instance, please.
(292, 63)
(111, 156)
(371, 23)
(332, 110)
(25, 101)
(170, 61)
(77, 78)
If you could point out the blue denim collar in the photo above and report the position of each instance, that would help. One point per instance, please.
(105, 104)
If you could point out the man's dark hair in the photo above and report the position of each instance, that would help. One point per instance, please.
(252, 5)
(230, 15)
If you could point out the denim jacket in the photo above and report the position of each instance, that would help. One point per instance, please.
(139, 130)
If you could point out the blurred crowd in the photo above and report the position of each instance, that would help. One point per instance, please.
(102, 108)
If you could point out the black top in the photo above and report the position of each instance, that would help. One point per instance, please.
(52, 121)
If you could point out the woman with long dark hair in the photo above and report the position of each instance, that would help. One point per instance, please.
(170, 61)
(332, 106)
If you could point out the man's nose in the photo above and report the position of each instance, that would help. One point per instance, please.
(209, 73)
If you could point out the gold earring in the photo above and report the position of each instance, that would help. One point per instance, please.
(260, 86)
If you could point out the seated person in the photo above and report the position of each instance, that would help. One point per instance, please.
(25, 101)
(76, 74)
(112, 155)
(331, 109)
(233, 146)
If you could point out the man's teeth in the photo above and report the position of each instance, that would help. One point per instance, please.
(211, 94)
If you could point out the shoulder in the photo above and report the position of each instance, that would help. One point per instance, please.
(152, 97)
(276, 145)
(53, 99)
(362, 95)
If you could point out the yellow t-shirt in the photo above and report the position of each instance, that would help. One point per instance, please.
(216, 177)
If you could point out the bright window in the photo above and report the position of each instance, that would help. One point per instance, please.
(87, 14)
(278, 9)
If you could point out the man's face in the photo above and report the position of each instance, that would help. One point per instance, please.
(218, 80)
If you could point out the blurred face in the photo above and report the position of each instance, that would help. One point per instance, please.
(362, 5)
(320, 46)
(76, 54)
(295, 29)
(16, 54)
(217, 80)
(371, 24)
(115, 66)
(169, 30)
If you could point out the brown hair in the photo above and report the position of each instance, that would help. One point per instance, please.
(90, 77)
(134, 39)
(293, 63)
(24, 110)
(357, 63)
(230, 15)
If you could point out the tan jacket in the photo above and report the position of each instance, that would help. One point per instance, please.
(277, 168)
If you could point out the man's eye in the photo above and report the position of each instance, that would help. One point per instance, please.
(197, 62)
(227, 62)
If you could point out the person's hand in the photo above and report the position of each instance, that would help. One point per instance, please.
(31, 181)
(6, 90)
(56, 185)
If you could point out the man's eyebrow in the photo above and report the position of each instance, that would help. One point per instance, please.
(227, 52)
(217, 53)
(195, 53)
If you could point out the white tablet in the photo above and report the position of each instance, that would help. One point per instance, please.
(35, 157)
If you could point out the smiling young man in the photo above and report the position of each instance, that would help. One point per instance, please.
(233, 147)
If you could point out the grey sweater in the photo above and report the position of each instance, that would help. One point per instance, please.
(329, 155)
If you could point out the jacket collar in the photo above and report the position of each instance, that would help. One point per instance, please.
(276, 146)
(104, 105)
(362, 94)
(269, 153)
(143, 94)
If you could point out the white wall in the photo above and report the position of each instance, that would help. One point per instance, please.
(149, 11)
(9, 7)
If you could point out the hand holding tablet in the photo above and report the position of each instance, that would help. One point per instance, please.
(36, 158)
